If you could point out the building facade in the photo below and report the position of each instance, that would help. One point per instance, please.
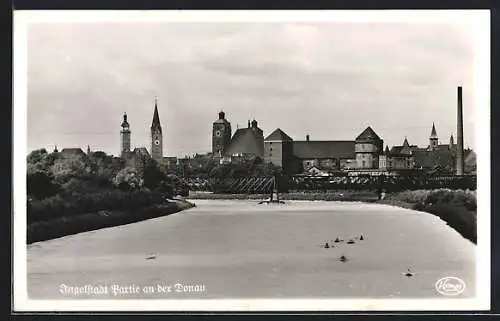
(221, 135)
(278, 150)
(368, 147)
(125, 136)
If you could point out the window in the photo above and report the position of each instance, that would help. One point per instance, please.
(364, 163)
(271, 149)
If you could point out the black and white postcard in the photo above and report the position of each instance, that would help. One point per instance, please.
(251, 160)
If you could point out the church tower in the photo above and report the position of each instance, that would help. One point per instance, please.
(433, 139)
(125, 136)
(221, 135)
(156, 137)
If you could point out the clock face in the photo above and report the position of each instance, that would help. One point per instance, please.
(157, 142)
(218, 133)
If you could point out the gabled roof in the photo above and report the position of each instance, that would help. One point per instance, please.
(71, 152)
(280, 135)
(403, 150)
(246, 141)
(324, 149)
(368, 134)
(141, 151)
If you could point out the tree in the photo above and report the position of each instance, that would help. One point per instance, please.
(40, 185)
(40, 160)
(127, 179)
(64, 169)
(152, 175)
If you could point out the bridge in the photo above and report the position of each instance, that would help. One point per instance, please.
(286, 183)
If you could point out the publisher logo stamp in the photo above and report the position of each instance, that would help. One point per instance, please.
(450, 286)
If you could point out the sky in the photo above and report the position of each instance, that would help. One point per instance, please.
(327, 79)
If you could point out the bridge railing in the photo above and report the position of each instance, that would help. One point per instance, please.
(259, 185)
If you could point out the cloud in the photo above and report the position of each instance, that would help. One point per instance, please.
(328, 79)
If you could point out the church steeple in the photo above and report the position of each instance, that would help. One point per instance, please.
(156, 116)
(405, 143)
(433, 139)
(433, 131)
(156, 136)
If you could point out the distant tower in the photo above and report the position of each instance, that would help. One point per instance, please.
(405, 143)
(156, 137)
(433, 139)
(452, 142)
(88, 149)
(460, 134)
(55, 149)
(125, 136)
(221, 135)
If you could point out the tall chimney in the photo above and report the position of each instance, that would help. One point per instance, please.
(460, 134)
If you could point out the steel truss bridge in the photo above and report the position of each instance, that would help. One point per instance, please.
(263, 185)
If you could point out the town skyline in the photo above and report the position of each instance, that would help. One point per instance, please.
(326, 80)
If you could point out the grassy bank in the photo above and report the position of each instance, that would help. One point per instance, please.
(346, 196)
(67, 225)
(457, 208)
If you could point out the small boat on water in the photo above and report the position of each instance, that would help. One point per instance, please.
(409, 273)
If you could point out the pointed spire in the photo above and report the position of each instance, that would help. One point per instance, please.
(405, 143)
(387, 151)
(55, 149)
(156, 117)
(88, 149)
(433, 132)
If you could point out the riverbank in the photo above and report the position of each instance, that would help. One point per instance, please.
(341, 196)
(457, 208)
(68, 225)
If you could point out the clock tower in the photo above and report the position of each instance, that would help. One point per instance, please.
(221, 135)
(156, 137)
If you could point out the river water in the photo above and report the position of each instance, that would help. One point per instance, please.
(240, 249)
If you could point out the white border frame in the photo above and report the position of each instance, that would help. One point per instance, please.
(479, 20)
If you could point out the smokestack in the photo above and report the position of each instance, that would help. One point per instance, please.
(460, 134)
